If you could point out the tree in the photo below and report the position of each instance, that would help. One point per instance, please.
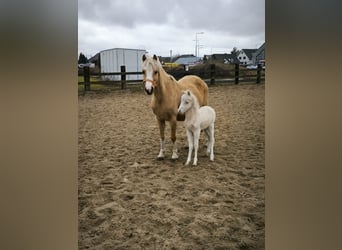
(82, 59)
(235, 51)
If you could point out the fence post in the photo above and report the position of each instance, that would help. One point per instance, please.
(123, 76)
(236, 73)
(212, 73)
(259, 73)
(86, 77)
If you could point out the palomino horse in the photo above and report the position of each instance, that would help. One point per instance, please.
(196, 119)
(166, 97)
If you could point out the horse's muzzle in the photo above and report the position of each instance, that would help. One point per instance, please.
(148, 87)
(149, 92)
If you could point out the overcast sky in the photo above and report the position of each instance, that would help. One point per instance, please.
(163, 25)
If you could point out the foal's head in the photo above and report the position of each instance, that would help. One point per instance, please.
(187, 102)
(150, 69)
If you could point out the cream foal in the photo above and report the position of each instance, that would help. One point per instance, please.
(196, 119)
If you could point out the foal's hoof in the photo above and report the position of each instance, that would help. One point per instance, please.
(174, 157)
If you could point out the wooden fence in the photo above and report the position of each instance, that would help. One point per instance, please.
(238, 77)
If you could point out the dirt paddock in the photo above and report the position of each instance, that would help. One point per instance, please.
(130, 200)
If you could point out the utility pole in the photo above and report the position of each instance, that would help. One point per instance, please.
(197, 43)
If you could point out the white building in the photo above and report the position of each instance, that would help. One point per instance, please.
(111, 61)
(245, 56)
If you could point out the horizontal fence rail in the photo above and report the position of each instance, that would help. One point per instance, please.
(237, 76)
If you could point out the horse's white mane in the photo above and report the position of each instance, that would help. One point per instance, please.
(153, 61)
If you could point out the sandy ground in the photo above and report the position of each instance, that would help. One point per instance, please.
(130, 200)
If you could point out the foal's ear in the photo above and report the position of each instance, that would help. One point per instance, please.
(144, 57)
(155, 57)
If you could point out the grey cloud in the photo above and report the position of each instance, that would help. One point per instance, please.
(233, 17)
(126, 13)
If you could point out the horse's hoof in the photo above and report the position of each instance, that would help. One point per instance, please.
(160, 158)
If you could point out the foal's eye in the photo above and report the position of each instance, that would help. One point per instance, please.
(155, 72)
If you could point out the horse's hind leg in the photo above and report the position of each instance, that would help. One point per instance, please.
(161, 124)
(173, 139)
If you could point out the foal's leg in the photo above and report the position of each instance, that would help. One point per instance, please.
(207, 140)
(173, 139)
(161, 124)
(196, 140)
(207, 132)
(212, 141)
(190, 136)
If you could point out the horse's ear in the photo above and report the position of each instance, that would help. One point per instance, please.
(188, 93)
(155, 57)
(144, 57)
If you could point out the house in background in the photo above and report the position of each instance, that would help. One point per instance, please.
(221, 58)
(186, 59)
(96, 61)
(259, 55)
(245, 56)
(164, 59)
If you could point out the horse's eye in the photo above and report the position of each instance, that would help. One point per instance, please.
(155, 72)
(143, 72)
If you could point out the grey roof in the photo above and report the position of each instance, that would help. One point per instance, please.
(227, 58)
(187, 60)
(260, 49)
(95, 58)
(249, 52)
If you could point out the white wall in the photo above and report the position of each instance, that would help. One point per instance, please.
(112, 59)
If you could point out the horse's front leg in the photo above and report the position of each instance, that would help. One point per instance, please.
(161, 124)
(173, 139)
